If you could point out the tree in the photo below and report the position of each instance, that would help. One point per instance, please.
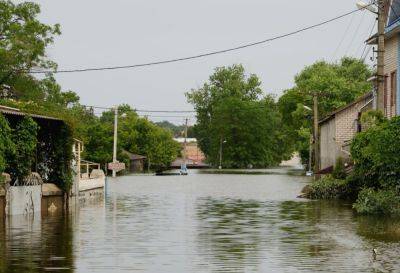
(231, 112)
(336, 85)
(23, 39)
(135, 134)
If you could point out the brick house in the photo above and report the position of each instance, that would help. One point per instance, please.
(392, 52)
(338, 128)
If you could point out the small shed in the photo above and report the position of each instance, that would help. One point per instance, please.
(338, 129)
(136, 162)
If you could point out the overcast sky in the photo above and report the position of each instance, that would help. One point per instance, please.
(123, 32)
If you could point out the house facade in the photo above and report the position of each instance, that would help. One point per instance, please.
(338, 129)
(391, 94)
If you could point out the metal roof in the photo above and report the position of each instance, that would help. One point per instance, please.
(14, 111)
(332, 114)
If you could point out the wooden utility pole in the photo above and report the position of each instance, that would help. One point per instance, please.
(381, 55)
(114, 173)
(185, 142)
(316, 134)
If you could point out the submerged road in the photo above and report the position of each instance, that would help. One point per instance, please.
(203, 222)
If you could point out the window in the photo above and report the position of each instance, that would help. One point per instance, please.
(385, 95)
(393, 88)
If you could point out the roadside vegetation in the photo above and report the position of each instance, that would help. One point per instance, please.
(374, 184)
(337, 84)
(23, 43)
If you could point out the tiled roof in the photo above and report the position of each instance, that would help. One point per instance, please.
(14, 111)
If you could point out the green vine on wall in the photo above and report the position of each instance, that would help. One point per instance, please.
(24, 137)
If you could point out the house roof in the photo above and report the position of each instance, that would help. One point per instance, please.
(14, 111)
(134, 156)
(332, 114)
(392, 23)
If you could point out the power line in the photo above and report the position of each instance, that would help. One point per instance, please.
(199, 55)
(140, 110)
(356, 32)
(366, 44)
(343, 37)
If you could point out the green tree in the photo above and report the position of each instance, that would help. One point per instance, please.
(135, 134)
(23, 42)
(231, 111)
(336, 85)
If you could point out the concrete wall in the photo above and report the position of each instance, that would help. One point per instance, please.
(92, 183)
(52, 200)
(328, 144)
(24, 200)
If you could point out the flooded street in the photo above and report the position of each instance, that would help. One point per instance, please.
(203, 222)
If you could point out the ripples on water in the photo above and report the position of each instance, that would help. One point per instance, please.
(202, 223)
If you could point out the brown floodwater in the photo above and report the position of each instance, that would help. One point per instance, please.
(203, 222)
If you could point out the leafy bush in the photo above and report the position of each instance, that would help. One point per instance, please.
(6, 145)
(339, 172)
(25, 141)
(376, 155)
(380, 202)
(329, 188)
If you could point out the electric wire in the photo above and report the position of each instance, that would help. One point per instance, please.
(355, 33)
(365, 44)
(343, 37)
(196, 56)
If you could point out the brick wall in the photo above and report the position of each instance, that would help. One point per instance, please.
(336, 133)
(346, 126)
(391, 52)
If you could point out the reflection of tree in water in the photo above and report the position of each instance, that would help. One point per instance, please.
(29, 246)
(323, 236)
(384, 229)
(383, 234)
(229, 231)
(301, 235)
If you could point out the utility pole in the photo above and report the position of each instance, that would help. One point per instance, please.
(220, 154)
(310, 155)
(114, 173)
(316, 134)
(381, 55)
(185, 142)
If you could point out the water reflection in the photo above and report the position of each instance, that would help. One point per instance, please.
(202, 223)
(229, 233)
(30, 244)
(239, 236)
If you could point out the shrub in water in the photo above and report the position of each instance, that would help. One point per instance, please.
(339, 172)
(380, 202)
(329, 188)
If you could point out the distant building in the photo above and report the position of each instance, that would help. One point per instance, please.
(194, 156)
(339, 128)
(136, 162)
